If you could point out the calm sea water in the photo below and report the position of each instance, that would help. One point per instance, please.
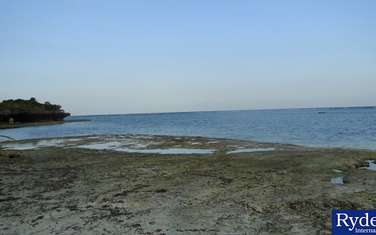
(328, 127)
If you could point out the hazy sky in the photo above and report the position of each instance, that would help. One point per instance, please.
(98, 57)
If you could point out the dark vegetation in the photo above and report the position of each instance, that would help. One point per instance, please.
(31, 110)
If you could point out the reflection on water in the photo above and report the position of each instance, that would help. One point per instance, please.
(250, 150)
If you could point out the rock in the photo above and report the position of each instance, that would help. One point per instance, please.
(14, 155)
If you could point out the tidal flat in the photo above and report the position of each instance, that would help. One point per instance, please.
(211, 186)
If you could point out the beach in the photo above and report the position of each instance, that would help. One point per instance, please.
(187, 117)
(83, 185)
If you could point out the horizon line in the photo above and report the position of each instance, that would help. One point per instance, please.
(230, 110)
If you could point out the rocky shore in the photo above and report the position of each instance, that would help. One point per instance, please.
(19, 112)
(137, 184)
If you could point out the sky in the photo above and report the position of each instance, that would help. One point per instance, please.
(106, 57)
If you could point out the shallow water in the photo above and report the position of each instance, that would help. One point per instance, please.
(19, 146)
(250, 150)
(140, 148)
(337, 180)
(100, 146)
(118, 147)
(38, 144)
(333, 127)
(168, 150)
(371, 165)
(130, 144)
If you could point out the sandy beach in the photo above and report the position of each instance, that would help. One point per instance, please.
(83, 185)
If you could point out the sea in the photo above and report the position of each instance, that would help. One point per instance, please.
(353, 127)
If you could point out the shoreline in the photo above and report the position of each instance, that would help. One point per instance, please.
(71, 185)
(31, 124)
(240, 125)
(305, 147)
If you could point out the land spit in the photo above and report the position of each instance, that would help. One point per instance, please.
(118, 185)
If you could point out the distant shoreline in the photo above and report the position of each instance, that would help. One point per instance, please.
(29, 124)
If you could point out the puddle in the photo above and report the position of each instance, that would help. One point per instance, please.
(251, 150)
(26, 146)
(139, 145)
(100, 146)
(213, 142)
(131, 144)
(50, 143)
(74, 139)
(93, 143)
(371, 165)
(168, 151)
(116, 146)
(137, 148)
(93, 137)
(38, 144)
(337, 180)
(148, 137)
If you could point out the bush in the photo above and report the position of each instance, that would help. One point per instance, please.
(31, 105)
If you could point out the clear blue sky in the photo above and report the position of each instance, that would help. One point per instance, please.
(98, 57)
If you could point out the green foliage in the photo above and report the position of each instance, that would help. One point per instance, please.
(31, 105)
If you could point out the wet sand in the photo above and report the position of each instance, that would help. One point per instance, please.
(60, 187)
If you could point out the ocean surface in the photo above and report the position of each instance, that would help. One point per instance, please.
(323, 127)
